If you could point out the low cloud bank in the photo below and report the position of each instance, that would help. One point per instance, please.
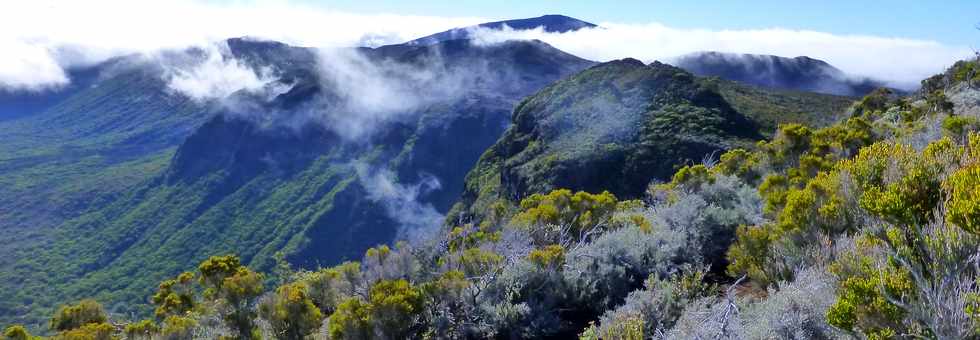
(898, 61)
(40, 39)
(214, 73)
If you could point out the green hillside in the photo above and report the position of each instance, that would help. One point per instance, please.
(866, 227)
(620, 124)
(129, 183)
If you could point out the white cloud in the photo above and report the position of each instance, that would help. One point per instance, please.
(401, 202)
(41, 37)
(897, 60)
(30, 67)
(34, 34)
(217, 76)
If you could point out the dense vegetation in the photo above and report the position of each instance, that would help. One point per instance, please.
(618, 125)
(123, 183)
(865, 227)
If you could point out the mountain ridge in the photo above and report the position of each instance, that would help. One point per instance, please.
(552, 23)
(800, 73)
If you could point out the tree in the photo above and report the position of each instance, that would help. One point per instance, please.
(70, 317)
(391, 311)
(227, 281)
(352, 320)
(291, 312)
(395, 305)
(178, 328)
(330, 286)
(174, 296)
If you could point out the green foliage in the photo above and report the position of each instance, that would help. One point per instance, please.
(89, 331)
(740, 163)
(963, 206)
(178, 328)
(750, 254)
(394, 307)
(875, 102)
(291, 313)
(581, 210)
(330, 286)
(390, 311)
(174, 296)
(773, 191)
(959, 126)
(790, 141)
(691, 176)
(563, 216)
(551, 256)
(622, 327)
(863, 302)
(966, 71)
(230, 283)
(75, 316)
(18, 332)
(477, 261)
(467, 237)
(144, 329)
(820, 206)
(351, 320)
(908, 199)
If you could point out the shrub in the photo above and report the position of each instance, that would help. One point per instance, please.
(351, 320)
(391, 311)
(174, 296)
(606, 270)
(144, 329)
(959, 126)
(328, 287)
(562, 217)
(797, 310)
(18, 332)
(178, 328)
(75, 316)
(290, 312)
(228, 282)
(657, 306)
(963, 206)
(739, 163)
(89, 331)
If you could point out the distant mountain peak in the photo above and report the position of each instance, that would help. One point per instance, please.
(552, 23)
(801, 73)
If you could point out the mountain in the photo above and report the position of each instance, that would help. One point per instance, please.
(549, 23)
(800, 73)
(145, 166)
(127, 181)
(619, 124)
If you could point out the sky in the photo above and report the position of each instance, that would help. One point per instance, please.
(947, 21)
(900, 41)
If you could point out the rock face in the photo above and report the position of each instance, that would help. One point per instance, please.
(800, 73)
(621, 124)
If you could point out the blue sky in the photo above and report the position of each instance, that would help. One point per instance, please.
(947, 21)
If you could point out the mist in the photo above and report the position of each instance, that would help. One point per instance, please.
(211, 72)
(71, 34)
(900, 62)
(40, 39)
(416, 219)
